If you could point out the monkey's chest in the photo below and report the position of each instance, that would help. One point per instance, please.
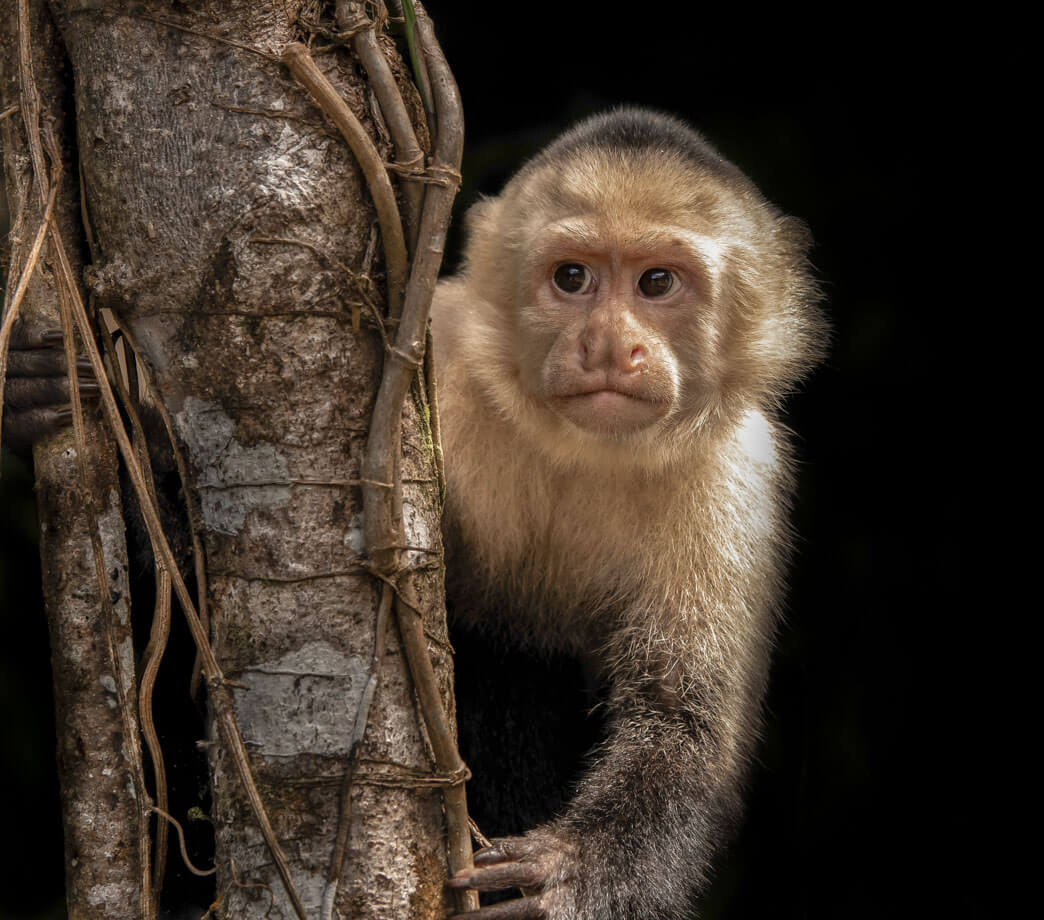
(560, 564)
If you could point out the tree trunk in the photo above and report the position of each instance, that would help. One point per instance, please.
(234, 240)
(87, 603)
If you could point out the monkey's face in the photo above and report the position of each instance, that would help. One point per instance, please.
(616, 325)
(631, 299)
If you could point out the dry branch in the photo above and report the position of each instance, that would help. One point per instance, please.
(383, 502)
(352, 19)
(301, 65)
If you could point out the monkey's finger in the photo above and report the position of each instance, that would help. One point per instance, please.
(26, 336)
(44, 392)
(519, 909)
(42, 362)
(21, 429)
(501, 850)
(502, 875)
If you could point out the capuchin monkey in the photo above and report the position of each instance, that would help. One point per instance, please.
(611, 360)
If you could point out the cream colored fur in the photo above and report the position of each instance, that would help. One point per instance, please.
(654, 553)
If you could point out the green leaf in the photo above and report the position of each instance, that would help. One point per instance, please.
(411, 24)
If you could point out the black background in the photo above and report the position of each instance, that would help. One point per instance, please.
(862, 802)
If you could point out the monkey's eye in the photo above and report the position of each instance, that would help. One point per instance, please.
(571, 278)
(656, 282)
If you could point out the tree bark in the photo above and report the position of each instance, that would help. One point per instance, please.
(234, 240)
(106, 827)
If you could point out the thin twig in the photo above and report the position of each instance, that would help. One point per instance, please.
(160, 631)
(153, 656)
(195, 526)
(480, 838)
(9, 111)
(305, 71)
(30, 101)
(263, 113)
(359, 282)
(170, 24)
(181, 842)
(351, 17)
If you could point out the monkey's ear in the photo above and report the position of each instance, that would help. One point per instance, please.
(807, 326)
(797, 234)
(482, 218)
(485, 258)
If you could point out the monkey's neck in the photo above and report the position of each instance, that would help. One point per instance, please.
(543, 532)
(572, 545)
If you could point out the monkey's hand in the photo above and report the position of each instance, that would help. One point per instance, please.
(36, 395)
(543, 863)
(636, 841)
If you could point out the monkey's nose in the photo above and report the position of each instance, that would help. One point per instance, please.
(634, 360)
(611, 356)
(626, 358)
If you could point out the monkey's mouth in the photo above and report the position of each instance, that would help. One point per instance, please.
(606, 396)
(609, 409)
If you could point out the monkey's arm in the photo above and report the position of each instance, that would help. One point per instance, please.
(636, 841)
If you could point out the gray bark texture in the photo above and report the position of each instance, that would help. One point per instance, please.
(106, 836)
(230, 229)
